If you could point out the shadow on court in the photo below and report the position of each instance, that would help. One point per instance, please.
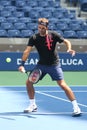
(7, 115)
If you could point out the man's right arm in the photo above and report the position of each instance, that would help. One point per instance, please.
(26, 53)
(24, 57)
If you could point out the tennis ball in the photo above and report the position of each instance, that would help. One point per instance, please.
(8, 60)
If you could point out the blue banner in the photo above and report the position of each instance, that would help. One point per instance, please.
(68, 63)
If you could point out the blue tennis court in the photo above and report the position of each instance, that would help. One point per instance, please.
(54, 109)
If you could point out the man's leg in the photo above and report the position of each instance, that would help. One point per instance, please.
(31, 94)
(70, 96)
(67, 89)
(30, 89)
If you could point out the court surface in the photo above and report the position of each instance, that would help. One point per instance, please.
(54, 109)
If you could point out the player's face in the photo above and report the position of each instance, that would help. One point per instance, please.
(42, 30)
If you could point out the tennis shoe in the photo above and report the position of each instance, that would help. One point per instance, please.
(31, 108)
(77, 111)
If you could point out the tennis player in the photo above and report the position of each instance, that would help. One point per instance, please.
(45, 42)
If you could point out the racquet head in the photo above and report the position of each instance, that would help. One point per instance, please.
(35, 75)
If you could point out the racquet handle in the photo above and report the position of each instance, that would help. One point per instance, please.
(23, 70)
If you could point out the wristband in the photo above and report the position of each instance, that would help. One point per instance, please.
(22, 63)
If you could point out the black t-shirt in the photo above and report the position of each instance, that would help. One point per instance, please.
(47, 50)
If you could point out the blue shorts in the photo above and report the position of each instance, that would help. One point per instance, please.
(55, 71)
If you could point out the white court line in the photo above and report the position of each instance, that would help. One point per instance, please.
(3, 91)
(40, 113)
(54, 113)
(50, 91)
(41, 86)
(63, 91)
(48, 95)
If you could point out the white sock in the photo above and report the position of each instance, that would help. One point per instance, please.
(32, 101)
(75, 104)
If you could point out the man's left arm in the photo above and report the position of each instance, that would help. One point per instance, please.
(69, 47)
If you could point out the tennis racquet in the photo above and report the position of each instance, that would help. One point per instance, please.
(34, 75)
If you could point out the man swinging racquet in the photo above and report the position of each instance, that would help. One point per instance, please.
(45, 42)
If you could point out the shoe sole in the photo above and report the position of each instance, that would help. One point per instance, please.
(27, 111)
(76, 114)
